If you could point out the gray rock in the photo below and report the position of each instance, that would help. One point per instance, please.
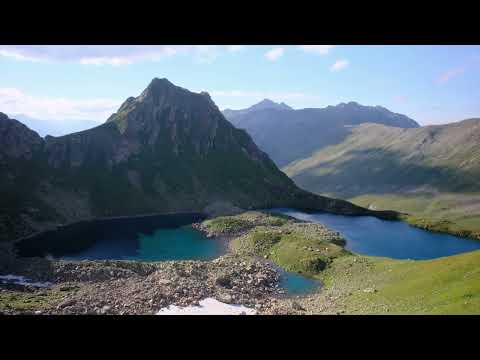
(297, 306)
(66, 303)
(226, 298)
(224, 281)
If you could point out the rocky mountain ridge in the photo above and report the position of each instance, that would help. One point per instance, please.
(167, 150)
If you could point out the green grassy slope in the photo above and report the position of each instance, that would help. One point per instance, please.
(377, 158)
(369, 285)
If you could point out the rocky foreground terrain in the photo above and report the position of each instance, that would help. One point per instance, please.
(126, 287)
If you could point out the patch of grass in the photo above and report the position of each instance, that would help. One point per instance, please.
(444, 226)
(30, 301)
(305, 249)
(296, 253)
(227, 224)
(239, 223)
(258, 242)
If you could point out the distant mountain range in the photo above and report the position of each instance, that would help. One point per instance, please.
(46, 127)
(288, 135)
(167, 150)
(265, 104)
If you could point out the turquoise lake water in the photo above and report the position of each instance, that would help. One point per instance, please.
(182, 243)
(296, 284)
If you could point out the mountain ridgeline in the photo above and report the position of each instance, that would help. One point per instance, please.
(265, 104)
(167, 150)
(287, 135)
(380, 159)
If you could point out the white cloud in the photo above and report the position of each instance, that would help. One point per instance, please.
(450, 74)
(469, 64)
(111, 54)
(14, 101)
(105, 61)
(339, 65)
(235, 48)
(317, 49)
(274, 54)
(18, 55)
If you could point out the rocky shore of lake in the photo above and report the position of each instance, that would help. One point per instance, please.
(129, 287)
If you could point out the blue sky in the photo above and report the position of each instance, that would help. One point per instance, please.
(431, 84)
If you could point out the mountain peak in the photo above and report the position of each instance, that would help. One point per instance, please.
(160, 95)
(160, 87)
(349, 104)
(269, 104)
(160, 82)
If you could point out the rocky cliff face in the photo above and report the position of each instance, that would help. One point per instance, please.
(167, 150)
(17, 140)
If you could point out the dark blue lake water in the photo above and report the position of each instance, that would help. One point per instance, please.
(149, 238)
(395, 239)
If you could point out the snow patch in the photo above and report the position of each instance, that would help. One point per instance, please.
(208, 306)
(22, 280)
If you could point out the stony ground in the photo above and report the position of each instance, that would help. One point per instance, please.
(121, 287)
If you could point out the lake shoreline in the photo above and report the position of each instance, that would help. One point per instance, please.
(441, 227)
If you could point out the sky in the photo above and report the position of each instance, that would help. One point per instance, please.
(431, 84)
